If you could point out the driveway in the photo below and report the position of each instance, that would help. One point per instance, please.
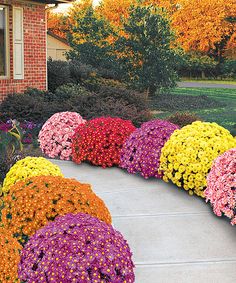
(175, 238)
(207, 85)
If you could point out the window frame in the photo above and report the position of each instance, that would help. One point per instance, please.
(7, 44)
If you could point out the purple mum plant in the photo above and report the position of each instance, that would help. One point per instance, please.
(76, 248)
(142, 150)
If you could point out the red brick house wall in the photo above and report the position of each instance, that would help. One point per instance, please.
(34, 25)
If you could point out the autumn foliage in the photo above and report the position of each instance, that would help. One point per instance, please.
(199, 25)
(203, 26)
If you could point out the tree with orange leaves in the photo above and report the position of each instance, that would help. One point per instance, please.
(203, 26)
(58, 23)
(116, 11)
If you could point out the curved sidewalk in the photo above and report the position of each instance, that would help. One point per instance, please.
(175, 238)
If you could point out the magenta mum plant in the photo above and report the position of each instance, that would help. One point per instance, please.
(221, 185)
(56, 134)
(141, 151)
(76, 248)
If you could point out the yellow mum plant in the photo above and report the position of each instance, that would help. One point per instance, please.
(188, 155)
(29, 167)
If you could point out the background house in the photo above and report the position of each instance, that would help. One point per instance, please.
(56, 47)
(23, 53)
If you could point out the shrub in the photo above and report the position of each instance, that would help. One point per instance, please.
(114, 102)
(141, 151)
(187, 156)
(23, 107)
(65, 92)
(10, 257)
(109, 101)
(196, 65)
(26, 209)
(80, 71)
(221, 185)
(100, 141)
(56, 134)
(228, 69)
(121, 92)
(29, 167)
(84, 249)
(58, 74)
(183, 119)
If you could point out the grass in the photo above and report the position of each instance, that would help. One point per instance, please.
(223, 113)
(228, 82)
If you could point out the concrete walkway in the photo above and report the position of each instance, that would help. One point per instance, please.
(175, 238)
(207, 85)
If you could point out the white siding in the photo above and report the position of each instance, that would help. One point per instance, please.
(18, 43)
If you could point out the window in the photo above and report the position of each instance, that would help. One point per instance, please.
(3, 42)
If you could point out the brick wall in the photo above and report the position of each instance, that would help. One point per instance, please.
(34, 49)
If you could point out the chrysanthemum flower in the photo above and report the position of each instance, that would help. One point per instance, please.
(141, 151)
(9, 257)
(29, 167)
(221, 185)
(56, 134)
(100, 140)
(76, 248)
(187, 156)
(33, 202)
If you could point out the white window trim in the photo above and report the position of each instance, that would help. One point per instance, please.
(15, 77)
(7, 50)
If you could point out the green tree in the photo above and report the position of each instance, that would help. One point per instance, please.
(91, 39)
(144, 53)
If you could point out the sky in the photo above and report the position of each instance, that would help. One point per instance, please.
(63, 7)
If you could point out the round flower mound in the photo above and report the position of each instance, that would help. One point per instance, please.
(141, 152)
(26, 209)
(187, 156)
(100, 141)
(221, 185)
(9, 257)
(29, 167)
(76, 248)
(56, 134)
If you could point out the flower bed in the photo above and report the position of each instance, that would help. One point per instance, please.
(141, 152)
(100, 140)
(76, 248)
(56, 134)
(221, 185)
(26, 209)
(187, 156)
(28, 129)
(28, 167)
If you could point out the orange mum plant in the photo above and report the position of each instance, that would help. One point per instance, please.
(37, 200)
(10, 257)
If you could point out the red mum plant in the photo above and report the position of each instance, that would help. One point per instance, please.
(100, 141)
(77, 248)
(221, 185)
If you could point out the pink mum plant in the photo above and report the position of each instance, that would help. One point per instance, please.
(221, 185)
(55, 135)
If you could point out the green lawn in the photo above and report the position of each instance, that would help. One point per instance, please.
(227, 82)
(223, 114)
